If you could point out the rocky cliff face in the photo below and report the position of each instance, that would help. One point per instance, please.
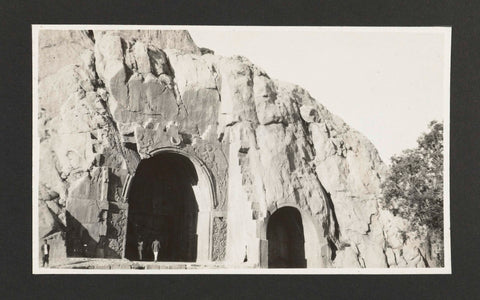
(108, 100)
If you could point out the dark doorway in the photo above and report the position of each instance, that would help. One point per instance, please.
(162, 205)
(286, 243)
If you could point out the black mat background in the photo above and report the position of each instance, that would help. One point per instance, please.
(16, 280)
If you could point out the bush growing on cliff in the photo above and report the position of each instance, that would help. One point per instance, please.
(414, 186)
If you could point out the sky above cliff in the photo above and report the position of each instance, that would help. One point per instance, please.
(387, 85)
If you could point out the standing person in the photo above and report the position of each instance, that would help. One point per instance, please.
(45, 252)
(140, 248)
(155, 249)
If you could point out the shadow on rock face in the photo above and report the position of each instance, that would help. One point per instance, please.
(81, 244)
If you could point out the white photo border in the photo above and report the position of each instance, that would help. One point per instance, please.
(447, 269)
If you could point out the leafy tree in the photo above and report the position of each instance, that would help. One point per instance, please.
(414, 187)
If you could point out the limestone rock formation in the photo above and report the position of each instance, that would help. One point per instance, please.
(109, 100)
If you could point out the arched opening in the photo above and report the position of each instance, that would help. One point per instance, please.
(163, 206)
(286, 242)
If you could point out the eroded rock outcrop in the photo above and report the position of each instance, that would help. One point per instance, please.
(109, 99)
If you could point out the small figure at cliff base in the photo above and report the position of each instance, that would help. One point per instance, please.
(45, 253)
(155, 248)
(140, 248)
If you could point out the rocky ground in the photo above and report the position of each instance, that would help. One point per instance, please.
(124, 264)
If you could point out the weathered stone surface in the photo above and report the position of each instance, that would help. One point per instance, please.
(219, 239)
(46, 220)
(142, 59)
(149, 96)
(109, 63)
(55, 89)
(262, 144)
(309, 114)
(268, 110)
(92, 188)
(162, 39)
(58, 48)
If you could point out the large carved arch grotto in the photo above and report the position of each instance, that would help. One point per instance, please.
(171, 197)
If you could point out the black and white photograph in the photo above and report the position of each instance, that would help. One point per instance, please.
(240, 150)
